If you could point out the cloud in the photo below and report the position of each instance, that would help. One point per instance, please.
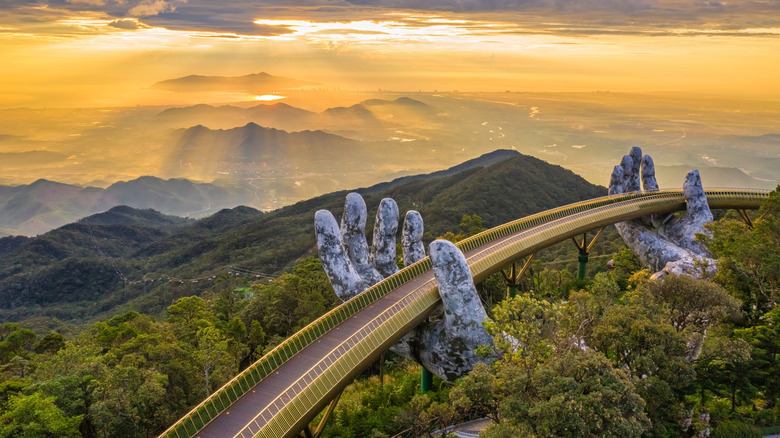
(154, 7)
(88, 2)
(566, 18)
(214, 17)
(510, 5)
(125, 24)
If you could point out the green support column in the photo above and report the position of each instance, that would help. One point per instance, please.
(584, 248)
(512, 278)
(583, 259)
(511, 290)
(426, 380)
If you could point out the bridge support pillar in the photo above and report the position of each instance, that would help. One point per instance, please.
(426, 380)
(745, 218)
(317, 432)
(583, 267)
(512, 278)
(584, 247)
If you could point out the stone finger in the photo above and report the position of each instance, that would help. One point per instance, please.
(627, 163)
(697, 208)
(462, 306)
(683, 232)
(616, 181)
(449, 346)
(342, 274)
(649, 183)
(635, 175)
(383, 251)
(411, 239)
(353, 234)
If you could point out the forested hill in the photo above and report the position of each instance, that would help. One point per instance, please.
(125, 260)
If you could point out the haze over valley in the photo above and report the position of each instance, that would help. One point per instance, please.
(293, 145)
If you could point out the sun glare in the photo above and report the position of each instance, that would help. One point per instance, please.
(268, 97)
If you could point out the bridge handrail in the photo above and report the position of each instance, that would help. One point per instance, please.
(231, 391)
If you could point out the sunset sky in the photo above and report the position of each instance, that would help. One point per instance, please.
(110, 52)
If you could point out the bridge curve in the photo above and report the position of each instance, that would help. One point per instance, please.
(284, 390)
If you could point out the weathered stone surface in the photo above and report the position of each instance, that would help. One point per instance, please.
(634, 175)
(343, 277)
(450, 344)
(666, 245)
(353, 234)
(446, 346)
(697, 214)
(385, 230)
(648, 174)
(411, 240)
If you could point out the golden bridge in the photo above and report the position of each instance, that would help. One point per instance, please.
(280, 394)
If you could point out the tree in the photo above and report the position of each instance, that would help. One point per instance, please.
(526, 331)
(764, 339)
(477, 394)
(188, 315)
(227, 297)
(748, 260)
(580, 394)
(50, 344)
(654, 355)
(723, 365)
(585, 308)
(36, 416)
(470, 225)
(15, 341)
(293, 300)
(576, 394)
(130, 402)
(256, 339)
(624, 264)
(212, 356)
(691, 306)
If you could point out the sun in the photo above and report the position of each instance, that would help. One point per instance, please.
(268, 97)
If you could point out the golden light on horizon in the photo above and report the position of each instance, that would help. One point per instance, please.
(92, 58)
(268, 97)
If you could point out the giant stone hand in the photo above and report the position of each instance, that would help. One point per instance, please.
(447, 346)
(666, 244)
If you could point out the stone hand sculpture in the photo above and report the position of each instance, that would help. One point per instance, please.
(446, 346)
(668, 244)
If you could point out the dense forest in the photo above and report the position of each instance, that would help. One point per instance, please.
(118, 324)
(616, 355)
(129, 259)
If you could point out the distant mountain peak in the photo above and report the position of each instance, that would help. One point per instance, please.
(125, 215)
(41, 182)
(405, 101)
(409, 101)
(253, 82)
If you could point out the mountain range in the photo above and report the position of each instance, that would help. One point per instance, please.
(368, 115)
(252, 83)
(138, 259)
(36, 208)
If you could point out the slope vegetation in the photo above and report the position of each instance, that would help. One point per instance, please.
(102, 265)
